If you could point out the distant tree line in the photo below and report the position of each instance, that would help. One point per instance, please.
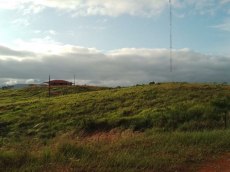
(8, 87)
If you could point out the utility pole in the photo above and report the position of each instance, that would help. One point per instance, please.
(49, 86)
(74, 80)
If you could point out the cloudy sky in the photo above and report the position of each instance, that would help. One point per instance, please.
(111, 43)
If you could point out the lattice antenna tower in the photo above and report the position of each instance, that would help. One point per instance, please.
(171, 68)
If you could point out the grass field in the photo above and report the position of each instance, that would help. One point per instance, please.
(158, 127)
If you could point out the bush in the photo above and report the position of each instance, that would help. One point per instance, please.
(151, 83)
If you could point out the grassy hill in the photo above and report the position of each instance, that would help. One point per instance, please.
(160, 127)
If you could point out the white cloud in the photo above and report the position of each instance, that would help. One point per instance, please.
(92, 7)
(39, 45)
(52, 32)
(224, 27)
(21, 22)
(224, 1)
(31, 9)
(6, 4)
(30, 81)
(102, 21)
(179, 15)
(48, 46)
(128, 66)
(145, 8)
(205, 6)
(92, 27)
(11, 82)
(37, 31)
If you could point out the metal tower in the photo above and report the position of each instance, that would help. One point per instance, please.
(171, 69)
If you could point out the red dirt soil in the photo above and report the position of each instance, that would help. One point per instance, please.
(220, 164)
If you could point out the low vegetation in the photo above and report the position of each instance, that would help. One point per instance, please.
(156, 127)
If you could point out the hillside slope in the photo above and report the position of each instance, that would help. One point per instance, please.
(146, 122)
(164, 107)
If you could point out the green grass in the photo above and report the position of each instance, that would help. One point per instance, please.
(123, 152)
(159, 127)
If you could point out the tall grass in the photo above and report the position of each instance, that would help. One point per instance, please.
(126, 151)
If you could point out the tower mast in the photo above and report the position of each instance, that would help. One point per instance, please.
(171, 69)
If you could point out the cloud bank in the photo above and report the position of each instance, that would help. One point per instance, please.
(145, 8)
(122, 67)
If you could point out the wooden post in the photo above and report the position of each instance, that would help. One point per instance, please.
(49, 86)
(74, 79)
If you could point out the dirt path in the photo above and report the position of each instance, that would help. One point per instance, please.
(220, 164)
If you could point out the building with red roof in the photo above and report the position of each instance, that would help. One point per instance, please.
(59, 82)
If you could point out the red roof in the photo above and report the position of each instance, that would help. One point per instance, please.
(58, 81)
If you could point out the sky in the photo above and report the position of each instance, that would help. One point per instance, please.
(114, 43)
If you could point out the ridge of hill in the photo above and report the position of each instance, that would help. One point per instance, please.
(42, 92)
